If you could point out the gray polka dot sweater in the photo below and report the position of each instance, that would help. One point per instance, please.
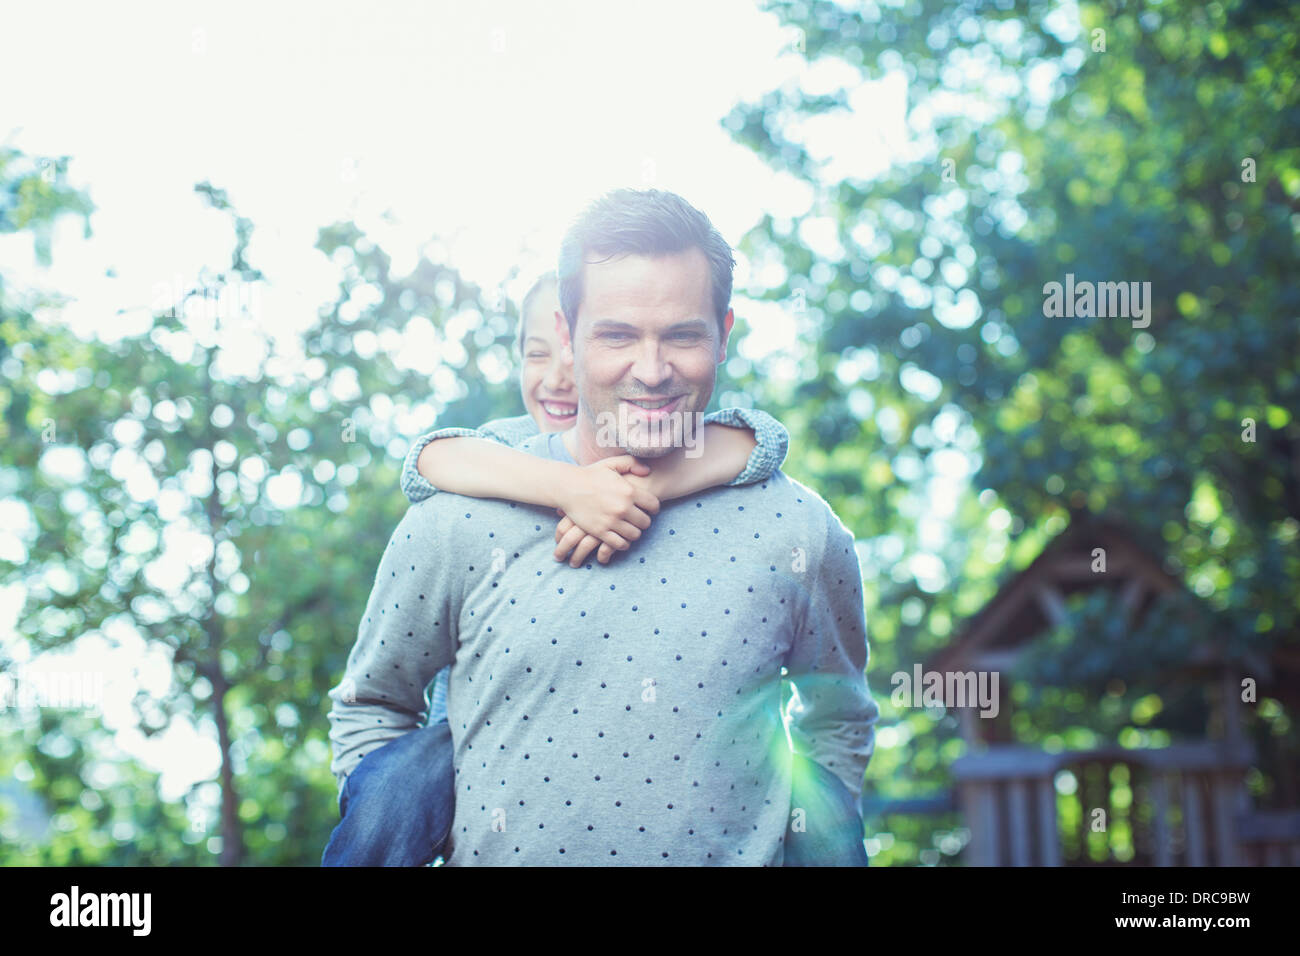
(772, 443)
(622, 714)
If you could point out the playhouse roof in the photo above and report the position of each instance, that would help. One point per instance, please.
(1032, 600)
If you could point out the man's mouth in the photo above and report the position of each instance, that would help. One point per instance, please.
(560, 411)
(654, 409)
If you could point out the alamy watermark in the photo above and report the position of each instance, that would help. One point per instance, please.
(130, 910)
(227, 301)
(685, 429)
(1101, 300)
(946, 689)
(28, 689)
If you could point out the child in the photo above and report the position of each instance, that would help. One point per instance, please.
(604, 507)
(606, 504)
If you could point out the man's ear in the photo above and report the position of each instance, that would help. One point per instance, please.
(728, 321)
(562, 330)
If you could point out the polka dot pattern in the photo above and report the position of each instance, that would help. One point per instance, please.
(626, 714)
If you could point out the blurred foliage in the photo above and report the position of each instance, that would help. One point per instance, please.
(1037, 146)
(181, 439)
(921, 352)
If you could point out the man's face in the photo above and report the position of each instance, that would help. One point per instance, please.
(546, 377)
(645, 351)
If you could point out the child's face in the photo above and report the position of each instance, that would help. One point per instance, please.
(546, 380)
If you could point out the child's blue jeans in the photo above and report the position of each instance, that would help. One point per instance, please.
(397, 808)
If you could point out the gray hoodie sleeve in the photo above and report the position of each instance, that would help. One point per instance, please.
(828, 658)
(407, 634)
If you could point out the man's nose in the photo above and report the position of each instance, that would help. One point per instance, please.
(649, 367)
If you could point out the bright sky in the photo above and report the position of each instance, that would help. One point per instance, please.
(488, 124)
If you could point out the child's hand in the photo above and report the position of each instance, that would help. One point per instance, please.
(606, 505)
(569, 535)
(582, 543)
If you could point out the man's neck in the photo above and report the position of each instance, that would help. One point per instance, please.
(583, 447)
(585, 450)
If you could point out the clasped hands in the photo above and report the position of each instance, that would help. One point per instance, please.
(604, 509)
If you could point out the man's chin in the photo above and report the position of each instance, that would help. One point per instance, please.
(654, 438)
(652, 442)
(648, 451)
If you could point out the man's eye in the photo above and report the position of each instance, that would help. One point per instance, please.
(686, 336)
(616, 335)
(533, 355)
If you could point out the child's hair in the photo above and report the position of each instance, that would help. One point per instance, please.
(540, 285)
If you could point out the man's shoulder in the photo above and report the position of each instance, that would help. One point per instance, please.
(447, 509)
(513, 430)
(785, 497)
(448, 523)
(816, 514)
(537, 443)
(779, 485)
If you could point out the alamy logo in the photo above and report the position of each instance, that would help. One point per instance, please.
(685, 429)
(28, 688)
(947, 689)
(229, 301)
(1102, 300)
(102, 909)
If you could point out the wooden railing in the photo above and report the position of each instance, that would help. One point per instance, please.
(1271, 838)
(1186, 806)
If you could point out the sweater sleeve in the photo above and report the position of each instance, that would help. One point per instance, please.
(507, 431)
(772, 437)
(407, 635)
(827, 660)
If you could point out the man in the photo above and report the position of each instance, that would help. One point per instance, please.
(628, 714)
(396, 808)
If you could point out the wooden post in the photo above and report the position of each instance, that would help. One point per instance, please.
(1160, 796)
(1048, 837)
(1193, 820)
(985, 835)
(1225, 831)
(1053, 604)
(1229, 699)
(969, 729)
(1131, 597)
(1019, 822)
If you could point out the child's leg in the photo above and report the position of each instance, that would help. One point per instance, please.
(397, 805)
(833, 835)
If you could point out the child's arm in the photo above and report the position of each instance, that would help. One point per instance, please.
(595, 496)
(737, 446)
(479, 463)
(721, 455)
(507, 431)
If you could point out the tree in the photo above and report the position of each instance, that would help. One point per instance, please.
(227, 503)
(1148, 143)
